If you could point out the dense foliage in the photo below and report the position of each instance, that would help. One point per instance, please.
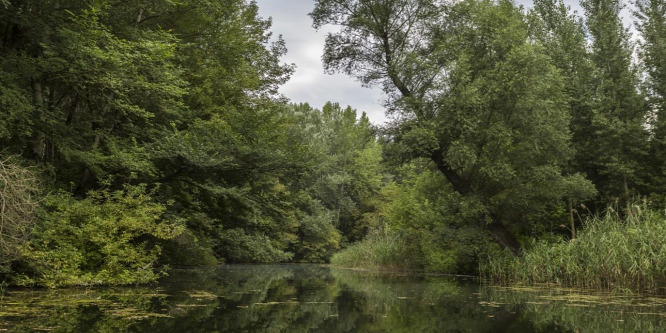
(108, 237)
(159, 138)
(479, 100)
(137, 135)
(525, 113)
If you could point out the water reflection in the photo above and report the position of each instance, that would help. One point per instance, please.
(313, 298)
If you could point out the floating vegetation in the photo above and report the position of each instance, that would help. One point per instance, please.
(491, 304)
(543, 295)
(46, 310)
(276, 303)
(584, 310)
(135, 314)
(201, 294)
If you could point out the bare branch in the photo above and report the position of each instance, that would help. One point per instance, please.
(18, 189)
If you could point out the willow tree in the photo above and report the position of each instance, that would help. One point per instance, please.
(470, 92)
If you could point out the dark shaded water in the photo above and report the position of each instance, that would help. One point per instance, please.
(314, 298)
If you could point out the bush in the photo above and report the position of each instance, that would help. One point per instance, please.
(239, 246)
(18, 207)
(318, 238)
(407, 250)
(378, 250)
(385, 250)
(423, 226)
(106, 238)
(189, 249)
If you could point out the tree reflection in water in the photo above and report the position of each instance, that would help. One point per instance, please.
(316, 298)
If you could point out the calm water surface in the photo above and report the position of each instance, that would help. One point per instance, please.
(314, 298)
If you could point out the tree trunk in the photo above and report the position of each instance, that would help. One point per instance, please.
(39, 138)
(571, 219)
(503, 236)
(460, 185)
(500, 233)
(85, 176)
(627, 197)
(138, 17)
(498, 230)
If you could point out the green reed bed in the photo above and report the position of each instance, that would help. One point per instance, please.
(611, 252)
(379, 251)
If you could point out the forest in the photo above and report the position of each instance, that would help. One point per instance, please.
(525, 144)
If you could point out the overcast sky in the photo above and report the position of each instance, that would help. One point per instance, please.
(305, 46)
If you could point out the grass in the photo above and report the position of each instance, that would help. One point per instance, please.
(612, 252)
(400, 251)
(379, 250)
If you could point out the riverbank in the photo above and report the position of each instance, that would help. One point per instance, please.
(612, 253)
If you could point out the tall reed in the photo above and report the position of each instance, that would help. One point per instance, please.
(612, 252)
(380, 250)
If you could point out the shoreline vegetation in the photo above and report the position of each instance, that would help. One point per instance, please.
(611, 253)
(626, 254)
(142, 135)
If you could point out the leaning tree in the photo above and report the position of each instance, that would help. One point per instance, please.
(469, 90)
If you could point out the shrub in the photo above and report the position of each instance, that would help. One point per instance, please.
(377, 251)
(318, 238)
(18, 206)
(382, 249)
(109, 237)
(239, 246)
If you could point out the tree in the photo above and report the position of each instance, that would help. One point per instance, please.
(348, 172)
(179, 93)
(472, 95)
(651, 24)
(619, 137)
(343, 178)
(101, 89)
(562, 35)
(228, 161)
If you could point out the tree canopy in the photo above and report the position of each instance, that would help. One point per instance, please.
(474, 95)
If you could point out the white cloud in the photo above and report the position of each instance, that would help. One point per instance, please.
(305, 47)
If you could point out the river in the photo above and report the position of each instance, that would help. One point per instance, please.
(318, 298)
